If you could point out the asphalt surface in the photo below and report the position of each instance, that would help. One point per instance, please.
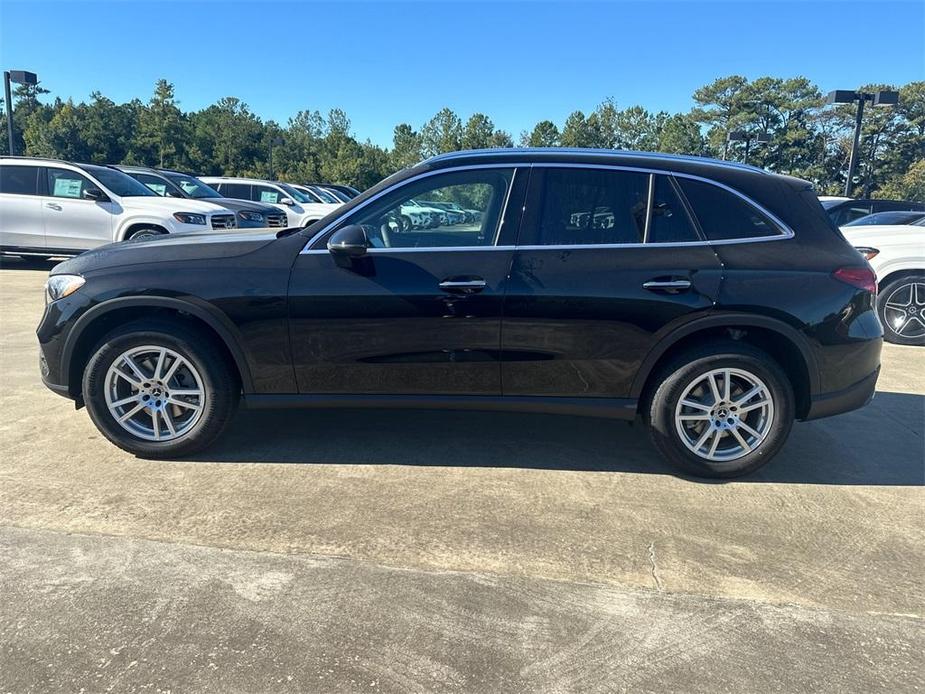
(453, 551)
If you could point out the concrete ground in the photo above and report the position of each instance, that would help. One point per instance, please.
(449, 551)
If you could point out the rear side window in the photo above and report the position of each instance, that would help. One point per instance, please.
(723, 215)
(670, 222)
(240, 191)
(19, 180)
(590, 206)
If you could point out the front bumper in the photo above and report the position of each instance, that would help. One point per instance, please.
(851, 398)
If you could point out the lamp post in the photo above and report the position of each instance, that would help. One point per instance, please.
(273, 141)
(747, 138)
(848, 96)
(19, 77)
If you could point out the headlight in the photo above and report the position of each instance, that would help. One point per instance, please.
(189, 218)
(250, 216)
(60, 286)
(868, 252)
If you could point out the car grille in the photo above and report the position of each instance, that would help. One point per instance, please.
(277, 220)
(223, 221)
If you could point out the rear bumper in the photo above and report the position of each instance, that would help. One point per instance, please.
(845, 400)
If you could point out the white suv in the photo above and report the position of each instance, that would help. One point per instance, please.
(300, 209)
(896, 252)
(50, 207)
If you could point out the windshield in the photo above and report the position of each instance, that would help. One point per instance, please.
(341, 197)
(308, 193)
(119, 183)
(293, 193)
(193, 186)
(325, 195)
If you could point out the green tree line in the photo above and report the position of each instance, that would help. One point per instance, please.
(807, 138)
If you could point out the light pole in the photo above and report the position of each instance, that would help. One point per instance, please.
(19, 77)
(273, 141)
(747, 138)
(848, 96)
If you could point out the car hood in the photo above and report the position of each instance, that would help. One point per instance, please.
(207, 245)
(169, 205)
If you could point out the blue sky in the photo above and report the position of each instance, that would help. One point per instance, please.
(518, 62)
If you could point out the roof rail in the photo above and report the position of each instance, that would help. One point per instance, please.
(514, 151)
(25, 156)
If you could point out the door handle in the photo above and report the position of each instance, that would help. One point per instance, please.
(667, 285)
(53, 206)
(463, 286)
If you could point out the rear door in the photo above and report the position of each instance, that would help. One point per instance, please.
(72, 221)
(605, 259)
(21, 223)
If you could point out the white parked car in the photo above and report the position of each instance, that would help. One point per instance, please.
(316, 194)
(51, 207)
(897, 254)
(300, 209)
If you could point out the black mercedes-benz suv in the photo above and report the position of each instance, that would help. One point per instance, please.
(715, 301)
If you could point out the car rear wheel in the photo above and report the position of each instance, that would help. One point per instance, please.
(721, 410)
(160, 390)
(901, 305)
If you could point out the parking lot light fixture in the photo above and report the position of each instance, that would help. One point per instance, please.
(883, 97)
(19, 77)
(748, 138)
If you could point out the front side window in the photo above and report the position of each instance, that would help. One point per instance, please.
(156, 184)
(193, 186)
(402, 220)
(67, 184)
(593, 206)
(723, 215)
(19, 180)
(267, 194)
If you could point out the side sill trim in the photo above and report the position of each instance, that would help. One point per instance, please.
(608, 408)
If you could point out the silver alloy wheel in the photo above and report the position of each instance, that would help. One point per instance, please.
(724, 414)
(904, 309)
(154, 393)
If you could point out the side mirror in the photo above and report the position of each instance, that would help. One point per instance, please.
(95, 194)
(348, 244)
(287, 201)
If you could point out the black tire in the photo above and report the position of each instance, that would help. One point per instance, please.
(219, 381)
(896, 292)
(146, 233)
(687, 368)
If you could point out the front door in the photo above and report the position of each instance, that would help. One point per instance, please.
(606, 258)
(72, 221)
(421, 312)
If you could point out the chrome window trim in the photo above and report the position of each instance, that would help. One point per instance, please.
(785, 231)
(413, 179)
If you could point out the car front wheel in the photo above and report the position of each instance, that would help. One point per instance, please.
(721, 410)
(160, 390)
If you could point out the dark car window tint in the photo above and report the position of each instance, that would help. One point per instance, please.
(669, 221)
(724, 215)
(19, 180)
(156, 184)
(240, 191)
(586, 206)
(67, 184)
(404, 220)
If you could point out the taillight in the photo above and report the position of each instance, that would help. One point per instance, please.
(860, 277)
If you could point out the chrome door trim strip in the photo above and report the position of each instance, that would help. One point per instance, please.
(785, 231)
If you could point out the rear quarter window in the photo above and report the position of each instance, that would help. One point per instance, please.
(723, 215)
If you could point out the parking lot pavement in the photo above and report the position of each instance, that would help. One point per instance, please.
(411, 551)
